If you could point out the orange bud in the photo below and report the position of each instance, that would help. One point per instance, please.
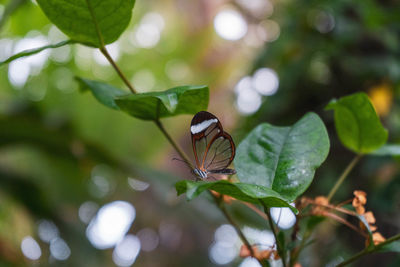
(321, 200)
(245, 252)
(215, 193)
(360, 209)
(360, 198)
(276, 255)
(264, 255)
(378, 238)
(369, 217)
(228, 199)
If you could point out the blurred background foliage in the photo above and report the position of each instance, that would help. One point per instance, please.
(63, 155)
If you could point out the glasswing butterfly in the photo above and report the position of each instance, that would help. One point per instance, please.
(213, 148)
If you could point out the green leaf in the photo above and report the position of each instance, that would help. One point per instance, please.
(80, 19)
(103, 92)
(387, 150)
(357, 124)
(154, 105)
(33, 51)
(240, 191)
(283, 158)
(389, 247)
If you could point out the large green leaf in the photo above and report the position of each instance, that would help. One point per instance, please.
(283, 158)
(154, 105)
(79, 18)
(240, 191)
(357, 123)
(103, 92)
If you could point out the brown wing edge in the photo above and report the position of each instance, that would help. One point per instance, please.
(198, 118)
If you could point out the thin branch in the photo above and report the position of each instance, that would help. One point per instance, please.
(104, 51)
(367, 251)
(343, 221)
(162, 129)
(117, 69)
(169, 138)
(343, 176)
(220, 205)
(281, 251)
(255, 209)
(33, 51)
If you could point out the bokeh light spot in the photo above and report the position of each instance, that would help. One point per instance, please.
(59, 249)
(230, 25)
(126, 251)
(148, 238)
(110, 224)
(265, 81)
(30, 248)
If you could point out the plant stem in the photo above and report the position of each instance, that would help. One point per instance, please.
(104, 51)
(119, 72)
(343, 176)
(162, 129)
(169, 138)
(281, 252)
(369, 251)
(220, 205)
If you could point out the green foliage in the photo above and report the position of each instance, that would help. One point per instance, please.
(390, 247)
(151, 105)
(33, 51)
(357, 123)
(172, 102)
(245, 192)
(81, 19)
(103, 92)
(283, 159)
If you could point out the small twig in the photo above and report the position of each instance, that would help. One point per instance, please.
(367, 250)
(117, 69)
(254, 208)
(169, 138)
(162, 129)
(343, 176)
(220, 205)
(339, 209)
(343, 221)
(104, 51)
(271, 225)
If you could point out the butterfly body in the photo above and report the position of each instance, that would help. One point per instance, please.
(213, 149)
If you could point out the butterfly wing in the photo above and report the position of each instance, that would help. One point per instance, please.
(213, 148)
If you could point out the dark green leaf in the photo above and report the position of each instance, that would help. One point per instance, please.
(283, 158)
(390, 247)
(154, 105)
(387, 150)
(240, 191)
(79, 18)
(33, 51)
(103, 92)
(357, 124)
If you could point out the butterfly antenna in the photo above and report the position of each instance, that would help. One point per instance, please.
(184, 161)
